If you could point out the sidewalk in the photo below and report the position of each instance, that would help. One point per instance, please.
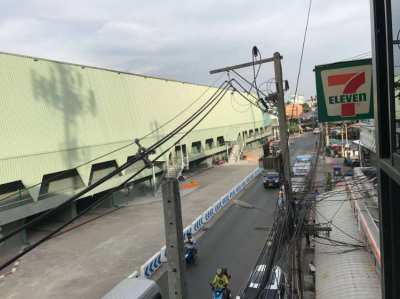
(89, 260)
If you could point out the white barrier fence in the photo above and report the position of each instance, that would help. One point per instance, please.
(154, 263)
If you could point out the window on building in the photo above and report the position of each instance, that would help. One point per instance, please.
(60, 182)
(100, 170)
(209, 143)
(13, 191)
(220, 141)
(256, 131)
(251, 133)
(196, 147)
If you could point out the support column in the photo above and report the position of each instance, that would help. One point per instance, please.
(154, 182)
(67, 213)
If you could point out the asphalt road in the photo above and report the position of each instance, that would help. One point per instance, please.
(236, 239)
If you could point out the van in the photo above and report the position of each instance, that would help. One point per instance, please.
(134, 288)
(301, 169)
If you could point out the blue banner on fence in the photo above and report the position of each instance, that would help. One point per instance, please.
(152, 265)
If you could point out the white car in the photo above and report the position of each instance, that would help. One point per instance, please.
(275, 288)
(301, 168)
(316, 131)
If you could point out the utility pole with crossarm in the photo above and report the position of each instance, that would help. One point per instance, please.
(283, 133)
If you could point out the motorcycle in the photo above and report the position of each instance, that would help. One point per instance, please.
(190, 255)
(219, 293)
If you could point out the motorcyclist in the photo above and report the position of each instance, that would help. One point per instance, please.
(228, 279)
(190, 243)
(220, 280)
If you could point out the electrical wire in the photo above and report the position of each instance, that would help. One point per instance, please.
(341, 243)
(255, 53)
(359, 55)
(338, 228)
(281, 233)
(242, 95)
(301, 56)
(95, 204)
(147, 152)
(248, 82)
(11, 195)
(185, 109)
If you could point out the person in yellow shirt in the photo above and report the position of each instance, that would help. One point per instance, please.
(220, 280)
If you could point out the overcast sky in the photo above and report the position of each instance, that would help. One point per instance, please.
(184, 39)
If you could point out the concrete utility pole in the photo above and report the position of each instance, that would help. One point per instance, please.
(283, 131)
(283, 135)
(174, 237)
(294, 256)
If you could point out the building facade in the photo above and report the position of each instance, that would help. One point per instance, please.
(64, 126)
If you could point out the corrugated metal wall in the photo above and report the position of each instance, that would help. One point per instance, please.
(55, 116)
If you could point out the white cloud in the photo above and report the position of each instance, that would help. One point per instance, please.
(184, 39)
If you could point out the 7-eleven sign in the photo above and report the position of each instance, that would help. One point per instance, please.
(344, 91)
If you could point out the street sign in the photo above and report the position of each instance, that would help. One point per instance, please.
(344, 91)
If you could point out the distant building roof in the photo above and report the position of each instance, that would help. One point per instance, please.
(343, 272)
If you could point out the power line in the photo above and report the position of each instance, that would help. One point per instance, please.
(359, 55)
(255, 53)
(338, 228)
(214, 103)
(185, 109)
(301, 56)
(127, 145)
(139, 156)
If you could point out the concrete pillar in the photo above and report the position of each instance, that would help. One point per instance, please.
(112, 200)
(67, 213)
(13, 245)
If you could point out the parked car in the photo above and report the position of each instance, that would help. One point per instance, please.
(316, 131)
(307, 129)
(271, 179)
(276, 285)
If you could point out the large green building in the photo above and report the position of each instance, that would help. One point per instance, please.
(56, 116)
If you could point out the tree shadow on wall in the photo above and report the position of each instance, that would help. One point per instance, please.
(62, 89)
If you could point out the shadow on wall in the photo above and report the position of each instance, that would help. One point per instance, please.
(62, 88)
